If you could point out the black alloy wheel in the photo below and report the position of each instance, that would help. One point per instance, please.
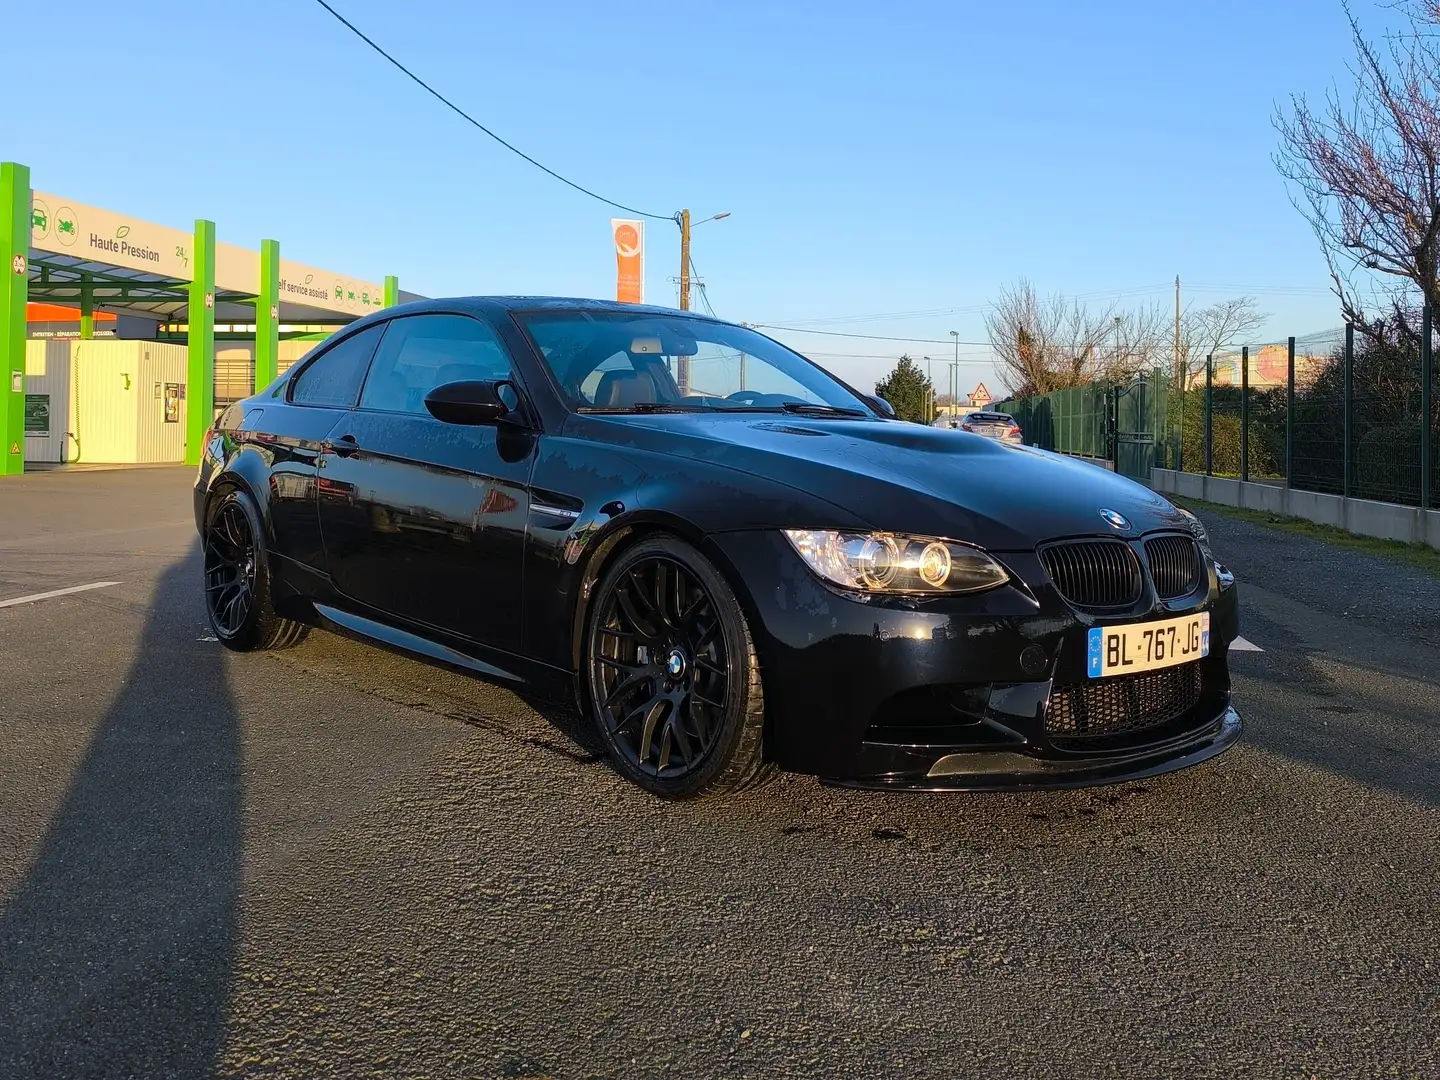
(237, 581)
(673, 679)
(229, 570)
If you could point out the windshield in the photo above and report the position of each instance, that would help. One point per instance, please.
(616, 361)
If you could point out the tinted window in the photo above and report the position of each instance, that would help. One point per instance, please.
(422, 352)
(333, 377)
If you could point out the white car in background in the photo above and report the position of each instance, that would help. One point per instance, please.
(993, 425)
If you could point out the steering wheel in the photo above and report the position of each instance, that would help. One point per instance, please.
(745, 397)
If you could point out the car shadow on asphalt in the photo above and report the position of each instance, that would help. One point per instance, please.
(1380, 744)
(118, 947)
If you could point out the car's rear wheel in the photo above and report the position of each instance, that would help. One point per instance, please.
(238, 592)
(673, 679)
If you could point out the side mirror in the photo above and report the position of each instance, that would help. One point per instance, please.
(471, 403)
(881, 405)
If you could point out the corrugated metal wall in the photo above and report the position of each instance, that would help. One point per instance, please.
(160, 423)
(291, 353)
(235, 367)
(47, 375)
(107, 374)
(234, 372)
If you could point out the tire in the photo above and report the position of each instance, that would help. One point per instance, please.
(238, 585)
(671, 673)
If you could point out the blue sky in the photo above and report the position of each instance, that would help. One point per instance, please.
(876, 157)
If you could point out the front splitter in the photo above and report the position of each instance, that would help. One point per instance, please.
(1015, 772)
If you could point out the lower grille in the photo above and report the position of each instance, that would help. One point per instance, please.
(1122, 704)
(1094, 573)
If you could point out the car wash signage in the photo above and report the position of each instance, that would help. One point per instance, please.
(312, 287)
(65, 227)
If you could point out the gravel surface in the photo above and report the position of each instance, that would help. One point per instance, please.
(336, 861)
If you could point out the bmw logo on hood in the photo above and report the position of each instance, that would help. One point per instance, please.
(1115, 519)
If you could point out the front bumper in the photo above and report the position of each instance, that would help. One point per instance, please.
(954, 693)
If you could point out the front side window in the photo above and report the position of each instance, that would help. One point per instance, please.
(333, 377)
(616, 361)
(421, 352)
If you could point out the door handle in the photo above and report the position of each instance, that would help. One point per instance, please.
(343, 446)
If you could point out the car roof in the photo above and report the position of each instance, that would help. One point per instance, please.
(492, 305)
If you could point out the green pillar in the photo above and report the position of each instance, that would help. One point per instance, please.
(267, 315)
(200, 365)
(15, 242)
(87, 309)
(392, 290)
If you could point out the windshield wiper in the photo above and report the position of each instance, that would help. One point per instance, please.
(649, 407)
(820, 410)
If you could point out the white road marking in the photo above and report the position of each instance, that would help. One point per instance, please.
(1241, 645)
(57, 592)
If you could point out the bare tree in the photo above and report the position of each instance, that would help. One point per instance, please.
(1212, 329)
(1046, 343)
(1141, 343)
(1365, 171)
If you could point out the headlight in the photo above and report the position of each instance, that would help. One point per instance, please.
(893, 563)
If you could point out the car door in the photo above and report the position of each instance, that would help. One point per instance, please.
(294, 425)
(424, 521)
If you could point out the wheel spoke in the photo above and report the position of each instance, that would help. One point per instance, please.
(690, 614)
(626, 603)
(622, 635)
(652, 718)
(619, 665)
(706, 636)
(699, 720)
(707, 701)
(678, 737)
(637, 677)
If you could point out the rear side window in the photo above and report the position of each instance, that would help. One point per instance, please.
(334, 377)
(421, 352)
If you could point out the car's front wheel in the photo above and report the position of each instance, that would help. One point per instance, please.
(673, 679)
(238, 589)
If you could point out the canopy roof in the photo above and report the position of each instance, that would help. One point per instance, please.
(133, 267)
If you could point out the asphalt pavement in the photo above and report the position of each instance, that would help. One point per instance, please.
(336, 861)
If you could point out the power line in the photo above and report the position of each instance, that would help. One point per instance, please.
(470, 119)
(891, 356)
(868, 337)
(1105, 294)
(700, 288)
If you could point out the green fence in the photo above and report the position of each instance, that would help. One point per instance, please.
(1354, 418)
(1128, 424)
(1074, 421)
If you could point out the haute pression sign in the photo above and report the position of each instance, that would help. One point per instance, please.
(66, 227)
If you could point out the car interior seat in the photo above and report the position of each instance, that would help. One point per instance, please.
(621, 389)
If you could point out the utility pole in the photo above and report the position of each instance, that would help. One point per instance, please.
(1179, 377)
(682, 363)
(684, 221)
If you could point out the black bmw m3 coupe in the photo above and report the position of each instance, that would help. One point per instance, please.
(733, 562)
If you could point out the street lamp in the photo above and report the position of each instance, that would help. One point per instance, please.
(955, 374)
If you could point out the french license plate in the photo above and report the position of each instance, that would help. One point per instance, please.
(1125, 650)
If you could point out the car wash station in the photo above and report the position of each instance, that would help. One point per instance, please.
(121, 339)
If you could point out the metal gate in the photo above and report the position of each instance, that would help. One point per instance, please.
(1138, 409)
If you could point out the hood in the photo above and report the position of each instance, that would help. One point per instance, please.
(909, 478)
